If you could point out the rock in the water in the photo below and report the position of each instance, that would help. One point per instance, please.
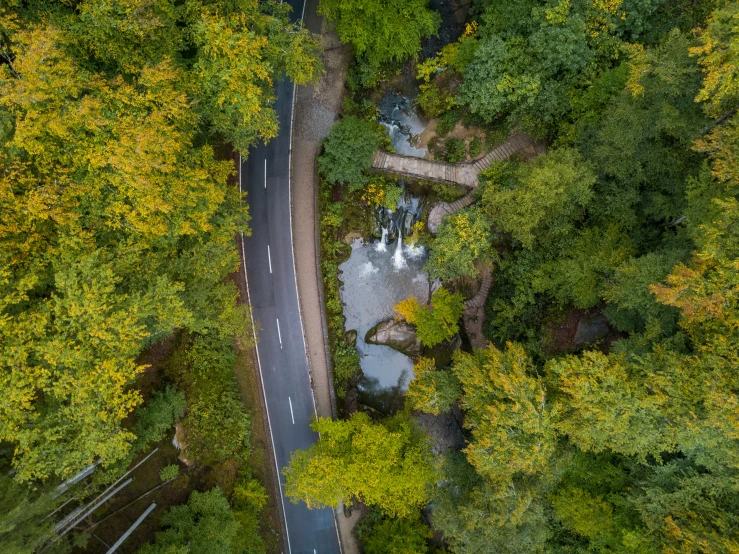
(350, 337)
(591, 329)
(398, 335)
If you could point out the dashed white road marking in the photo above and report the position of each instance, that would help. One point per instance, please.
(269, 259)
(279, 335)
(265, 172)
(292, 415)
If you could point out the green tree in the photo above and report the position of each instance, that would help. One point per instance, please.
(436, 322)
(157, 416)
(381, 31)
(463, 238)
(439, 321)
(381, 535)
(478, 517)
(101, 208)
(384, 465)
(240, 55)
(432, 391)
(23, 510)
(349, 150)
(127, 34)
(540, 200)
(205, 525)
(506, 410)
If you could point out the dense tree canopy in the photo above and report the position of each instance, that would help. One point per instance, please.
(385, 465)
(381, 31)
(116, 221)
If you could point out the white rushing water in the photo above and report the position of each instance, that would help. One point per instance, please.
(382, 245)
(398, 259)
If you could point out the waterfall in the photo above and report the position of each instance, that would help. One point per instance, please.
(382, 245)
(398, 259)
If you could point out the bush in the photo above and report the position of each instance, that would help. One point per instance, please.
(475, 147)
(346, 364)
(448, 121)
(169, 472)
(348, 151)
(161, 412)
(455, 150)
(433, 101)
(216, 426)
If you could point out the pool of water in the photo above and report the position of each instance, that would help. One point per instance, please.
(373, 283)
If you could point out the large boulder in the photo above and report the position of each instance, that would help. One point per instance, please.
(399, 335)
(591, 329)
(350, 337)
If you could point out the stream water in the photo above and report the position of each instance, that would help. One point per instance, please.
(402, 122)
(377, 276)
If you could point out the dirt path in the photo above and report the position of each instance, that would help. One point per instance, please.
(316, 109)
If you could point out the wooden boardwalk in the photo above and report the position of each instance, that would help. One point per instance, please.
(464, 174)
(474, 312)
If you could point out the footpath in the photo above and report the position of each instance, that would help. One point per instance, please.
(317, 107)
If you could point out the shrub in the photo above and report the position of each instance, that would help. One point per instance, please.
(161, 412)
(455, 150)
(448, 121)
(169, 472)
(216, 426)
(346, 365)
(475, 147)
(433, 101)
(348, 151)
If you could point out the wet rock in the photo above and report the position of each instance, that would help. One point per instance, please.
(349, 238)
(398, 335)
(408, 221)
(591, 329)
(179, 438)
(350, 337)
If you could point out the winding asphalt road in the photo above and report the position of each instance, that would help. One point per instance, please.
(283, 365)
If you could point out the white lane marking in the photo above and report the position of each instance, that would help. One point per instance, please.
(265, 172)
(269, 258)
(292, 415)
(279, 335)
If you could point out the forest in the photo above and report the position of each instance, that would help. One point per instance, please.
(121, 322)
(119, 123)
(627, 216)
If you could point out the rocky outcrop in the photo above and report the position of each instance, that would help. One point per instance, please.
(350, 337)
(398, 335)
(591, 329)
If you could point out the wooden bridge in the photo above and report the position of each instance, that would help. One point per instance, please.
(464, 174)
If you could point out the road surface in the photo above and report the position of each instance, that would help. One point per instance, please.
(268, 262)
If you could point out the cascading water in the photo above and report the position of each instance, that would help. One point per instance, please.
(382, 245)
(398, 259)
(402, 123)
